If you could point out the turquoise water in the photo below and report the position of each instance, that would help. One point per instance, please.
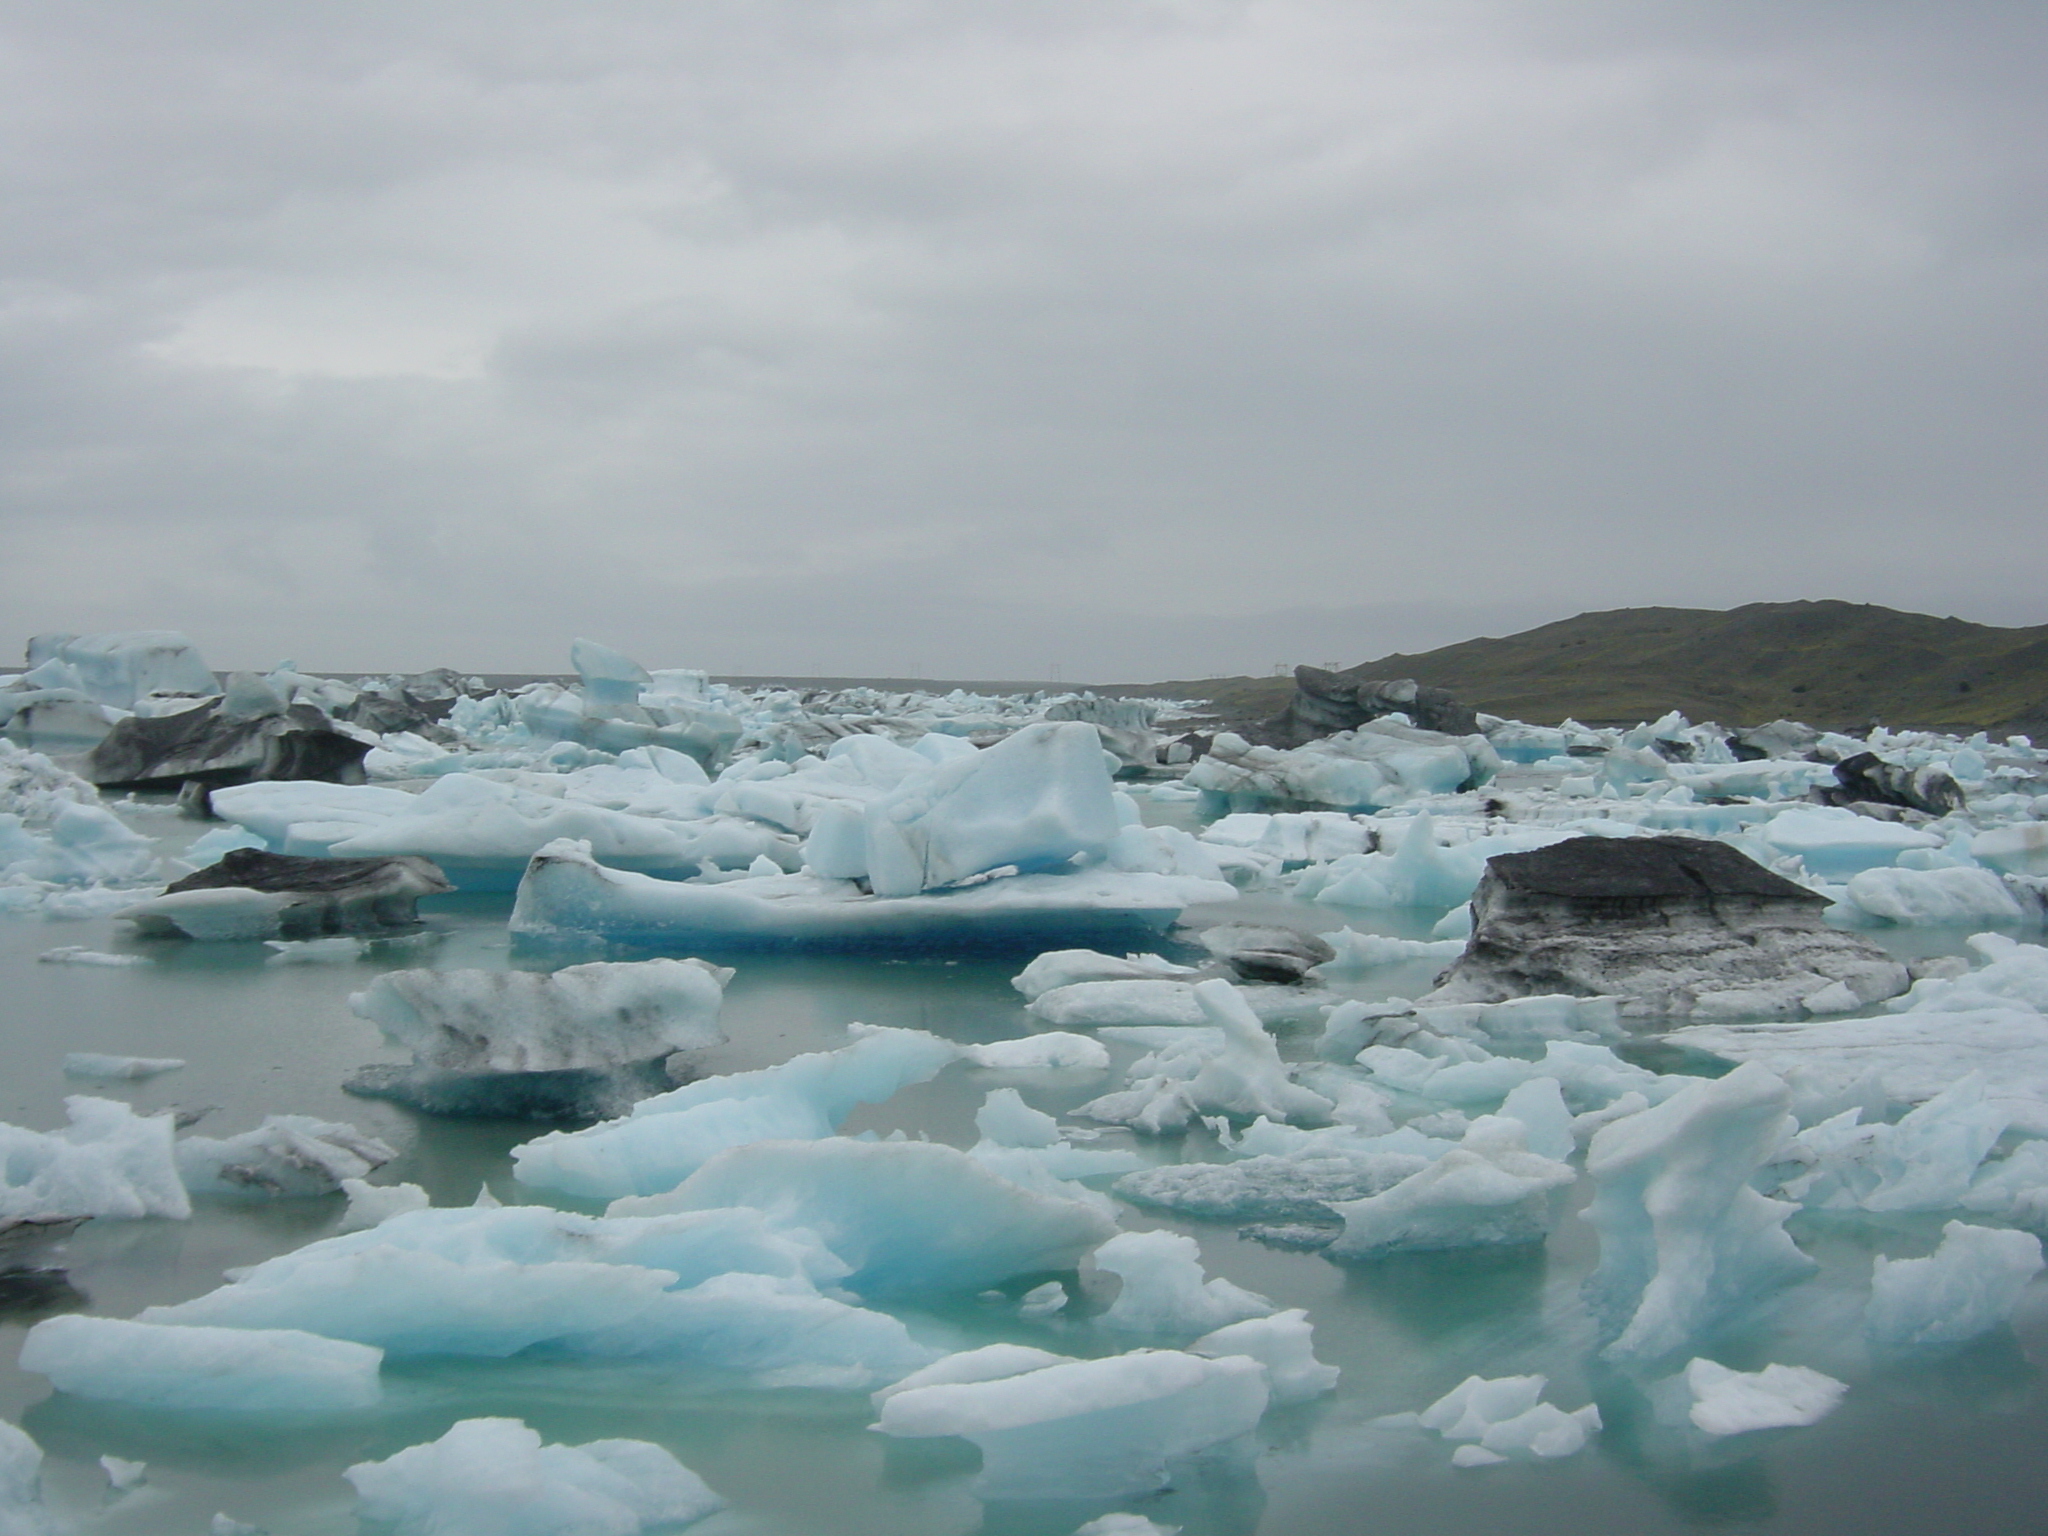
(1958, 1443)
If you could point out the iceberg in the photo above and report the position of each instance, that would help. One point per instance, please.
(1967, 1286)
(1728, 1402)
(22, 1512)
(1489, 1191)
(118, 1068)
(1935, 898)
(1164, 1290)
(1284, 1344)
(1063, 967)
(1089, 1429)
(596, 1015)
(566, 896)
(494, 1477)
(1684, 1239)
(667, 1138)
(120, 667)
(1379, 764)
(108, 1161)
(286, 1157)
(1506, 1416)
(906, 1217)
(237, 1369)
(1232, 1068)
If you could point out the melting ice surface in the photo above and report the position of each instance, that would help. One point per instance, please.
(1372, 1266)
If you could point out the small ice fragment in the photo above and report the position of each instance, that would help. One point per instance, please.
(110, 1068)
(1476, 1456)
(371, 1205)
(1043, 1300)
(78, 954)
(1728, 1402)
(1465, 1412)
(228, 1525)
(336, 950)
(1055, 1051)
(1284, 1345)
(123, 1475)
(1967, 1286)
(1125, 1525)
(1165, 1290)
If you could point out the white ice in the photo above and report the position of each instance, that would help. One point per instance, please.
(1284, 1344)
(1506, 1416)
(244, 1370)
(906, 1217)
(1090, 1429)
(599, 1015)
(108, 1161)
(1969, 1285)
(1730, 1402)
(1684, 1239)
(1064, 967)
(495, 1477)
(370, 1204)
(1490, 1191)
(22, 1511)
(117, 1068)
(668, 1137)
(1165, 1290)
(1235, 1071)
(287, 1156)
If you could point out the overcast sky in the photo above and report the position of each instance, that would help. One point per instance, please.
(1133, 338)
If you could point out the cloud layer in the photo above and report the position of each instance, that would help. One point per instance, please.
(1134, 338)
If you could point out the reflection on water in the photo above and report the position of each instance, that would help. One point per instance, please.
(1917, 1441)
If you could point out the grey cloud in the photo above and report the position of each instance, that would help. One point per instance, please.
(1137, 339)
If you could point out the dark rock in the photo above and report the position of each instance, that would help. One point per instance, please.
(1673, 926)
(218, 743)
(1325, 703)
(1267, 954)
(310, 897)
(1868, 778)
(29, 1295)
(24, 1239)
(419, 703)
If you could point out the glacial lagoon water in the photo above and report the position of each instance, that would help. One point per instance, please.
(1952, 1443)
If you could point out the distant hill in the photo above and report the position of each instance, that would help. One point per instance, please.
(1832, 664)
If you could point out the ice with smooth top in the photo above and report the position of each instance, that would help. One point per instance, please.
(1731, 1402)
(243, 1370)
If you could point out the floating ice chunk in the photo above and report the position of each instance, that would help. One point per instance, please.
(286, 1157)
(1835, 842)
(1933, 897)
(1047, 1300)
(1237, 1072)
(1124, 1002)
(1544, 1431)
(117, 1068)
(108, 1161)
(1382, 763)
(1476, 1456)
(1539, 1105)
(1683, 1237)
(2018, 849)
(1054, 1051)
(1064, 967)
(1005, 1119)
(1489, 1191)
(120, 667)
(992, 1362)
(123, 1475)
(372, 1204)
(668, 1137)
(1165, 1290)
(1093, 1429)
(1728, 1402)
(608, 676)
(340, 949)
(1284, 1345)
(597, 1015)
(494, 1477)
(567, 897)
(224, 1524)
(1037, 799)
(907, 1217)
(1122, 1524)
(2014, 1187)
(22, 1512)
(1967, 1286)
(241, 1369)
(1306, 1185)
(78, 954)
(1364, 951)
(1923, 1163)
(1465, 1412)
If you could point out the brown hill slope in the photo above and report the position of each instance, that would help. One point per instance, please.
(1833, 664)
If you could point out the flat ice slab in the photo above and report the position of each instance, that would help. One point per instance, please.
(567, 897)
